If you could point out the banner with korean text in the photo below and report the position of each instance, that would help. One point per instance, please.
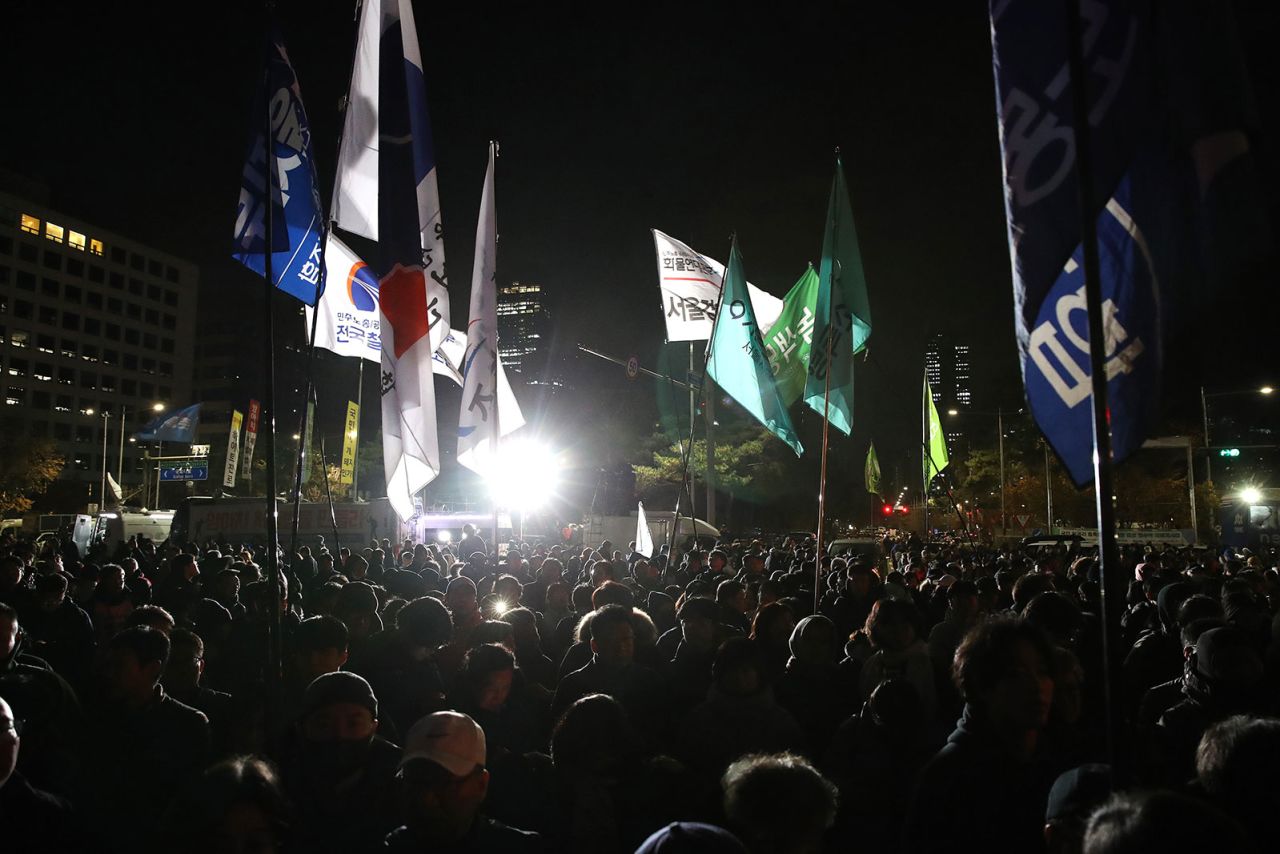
(350, 440)
(690, 284)
(233, 450)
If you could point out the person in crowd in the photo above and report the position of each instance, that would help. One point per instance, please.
(1072, 799)
(811, 687)
(182, 680)
(987, 788)
(338, 772)
(1235, 769)
(239, 804)
(778, 804)
(31, 820)
(612, 670)
(442, 785)
(898, 652)
(58, 630)
(1168, 822)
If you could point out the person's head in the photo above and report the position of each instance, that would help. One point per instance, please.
(10, 572)
(773, 625)
(443, 780)
(813, 641)
(1075, 794)
(891, 625)
(1235, 767)
(691, 837)
(697, 619)
(612, 593)
(111, 579)
(1004, 670)
(338, 722)
(738, 669)
(592, 735)
(1029, 587)
(1226, 662)
(320, 645)
(460, 597)
(486, 677)
(602, 571)
(186, 661)
(10, 742)
(778, 803)
(226, 585)
(1058, 616)
(357, 606)
(237, 805)
(551, 571)
(558, 596)
(613, 637)
(151, 615)
(1142, 822)
(134, 660)
(718, 561)
(494, 631)
(732, 595)
(425, 624)
(50, 591)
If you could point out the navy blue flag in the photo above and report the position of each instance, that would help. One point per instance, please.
(297, 215)
(1029, 41)
(177, 426)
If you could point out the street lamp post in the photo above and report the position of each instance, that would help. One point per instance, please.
(102, 489)
(999, 414)
(1204, 412)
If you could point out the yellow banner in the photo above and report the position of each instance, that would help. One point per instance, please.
(350, 436)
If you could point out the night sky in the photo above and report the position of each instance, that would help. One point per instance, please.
(697, 119)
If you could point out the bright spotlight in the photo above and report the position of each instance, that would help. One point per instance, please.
(1266, 389)
(501, 607)
(1250, 495)
(444, 537)
(525, 476)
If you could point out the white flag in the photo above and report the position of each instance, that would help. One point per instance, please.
(410, 450)
(644, 540)
(114, 487)
(690, 283)
(478, 417)
(401, 131)
(446, 363)
(348, 323)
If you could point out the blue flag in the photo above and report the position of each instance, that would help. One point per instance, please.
(736, 358)
(177, 426)
(1034, 105)
(297, 218)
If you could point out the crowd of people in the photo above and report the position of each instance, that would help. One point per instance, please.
(930, 697)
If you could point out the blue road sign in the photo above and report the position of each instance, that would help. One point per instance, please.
(185, 471)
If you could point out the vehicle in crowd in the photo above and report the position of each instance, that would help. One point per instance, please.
(621, 530)
(243, 520)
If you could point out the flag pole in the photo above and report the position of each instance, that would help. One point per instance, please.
(497, 396)
(693, 415)
(1108, 553)
(306, 398)
(355, 463)
(274, 671)
(328, 492)
(684, 469)
(826, 398)
(926, 458)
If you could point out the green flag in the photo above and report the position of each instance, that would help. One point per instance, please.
(872, 471)
(841, 313)
(736, 358)
(936, 441)
(787, 341)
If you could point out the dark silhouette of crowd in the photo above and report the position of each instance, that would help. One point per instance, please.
(941, 697)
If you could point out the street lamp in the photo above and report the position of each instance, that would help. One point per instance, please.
(999, 414)
(1204, 411)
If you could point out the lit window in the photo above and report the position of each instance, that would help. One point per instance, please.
(53, 232)
(76, 240)
(95, 247)
(20, 338)
(30, 224)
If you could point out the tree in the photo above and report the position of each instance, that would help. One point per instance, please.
(27, 469)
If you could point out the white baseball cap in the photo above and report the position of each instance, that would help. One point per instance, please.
(452, 740)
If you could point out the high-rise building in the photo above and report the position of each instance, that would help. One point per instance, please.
(948, 367)
(524, 330)
(96, 330)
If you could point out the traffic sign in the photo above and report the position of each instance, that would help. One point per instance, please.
(199, 450)
(633, 367)
(185, 471)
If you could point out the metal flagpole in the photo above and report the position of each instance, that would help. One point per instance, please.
(826, 398)
(497, 396)
(306, 398)
(693, 415)
(926, 457)
(328, 494)
(355, 464)
(1108, 554)
(120, 462)
(102, 490)
(274, 671)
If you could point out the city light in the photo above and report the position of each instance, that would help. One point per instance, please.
(1266, 389)
(444, 537)
(526, 475)
(157, 407)
(1250, 495)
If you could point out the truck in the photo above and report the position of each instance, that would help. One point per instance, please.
(112, 528)
(621, 530)
(244, 520)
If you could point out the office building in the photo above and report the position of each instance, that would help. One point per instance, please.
(524, 330)
(96, 330)
(947, 364)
